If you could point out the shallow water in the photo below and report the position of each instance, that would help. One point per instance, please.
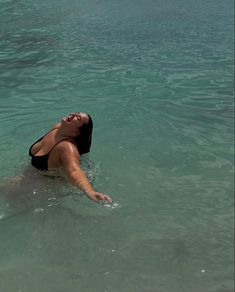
(157, 78)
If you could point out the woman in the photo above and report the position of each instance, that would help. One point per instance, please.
(62, 147)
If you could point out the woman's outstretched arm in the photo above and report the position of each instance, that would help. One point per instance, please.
(70, 160)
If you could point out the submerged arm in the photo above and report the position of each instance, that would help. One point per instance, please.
(70, 160)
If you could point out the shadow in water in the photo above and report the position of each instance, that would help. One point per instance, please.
(36, 190)
(33, 190)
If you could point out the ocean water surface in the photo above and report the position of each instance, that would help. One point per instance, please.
(157, 78)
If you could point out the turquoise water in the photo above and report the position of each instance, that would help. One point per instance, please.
(157, 78)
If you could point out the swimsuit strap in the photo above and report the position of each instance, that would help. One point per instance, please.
(41, 139)
(55, 145)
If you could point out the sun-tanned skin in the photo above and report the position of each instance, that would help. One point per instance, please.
(65, 153)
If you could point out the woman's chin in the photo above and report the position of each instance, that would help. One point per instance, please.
(64, 120)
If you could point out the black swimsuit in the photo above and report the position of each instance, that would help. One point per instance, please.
(41, 161)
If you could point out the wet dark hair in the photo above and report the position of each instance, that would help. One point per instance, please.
(83, 140)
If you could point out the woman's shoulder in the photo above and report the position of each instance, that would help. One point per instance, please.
(68, 146)
(55, 126)
(67, 151)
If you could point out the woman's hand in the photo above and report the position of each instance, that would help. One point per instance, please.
(99, 197)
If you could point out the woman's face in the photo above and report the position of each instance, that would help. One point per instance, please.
(76, 120)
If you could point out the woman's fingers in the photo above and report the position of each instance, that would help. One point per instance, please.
(102, 197)
(107, 198)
